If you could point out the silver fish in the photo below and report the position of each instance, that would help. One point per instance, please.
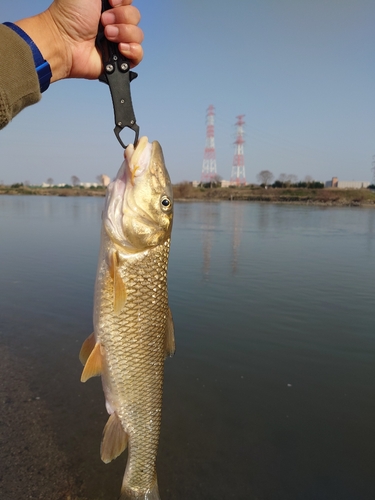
(133, 326)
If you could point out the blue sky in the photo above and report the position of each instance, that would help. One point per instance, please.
(302, 71)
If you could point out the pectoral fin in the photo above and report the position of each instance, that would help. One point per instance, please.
(170, 344)
(119, 290)
(119, 293)
(93, 366)
(114, 440)
(87, 348)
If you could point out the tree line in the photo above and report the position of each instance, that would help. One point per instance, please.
(265, 178)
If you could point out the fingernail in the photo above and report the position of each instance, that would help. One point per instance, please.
(111, 31)
(108, 18)
(115, 3)
(124, 47)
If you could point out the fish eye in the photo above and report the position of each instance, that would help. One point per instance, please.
(166, 203)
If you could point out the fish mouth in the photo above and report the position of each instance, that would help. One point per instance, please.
(138, 158)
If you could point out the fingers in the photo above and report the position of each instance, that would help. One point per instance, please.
(123, 33)
(120, 26)
(121, 15)
(117, 3)
(129, 39)
(132, 51)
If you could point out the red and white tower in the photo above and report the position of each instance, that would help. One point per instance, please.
(238, 176)
(209, 172)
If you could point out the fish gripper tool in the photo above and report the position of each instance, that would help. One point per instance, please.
(117, 76)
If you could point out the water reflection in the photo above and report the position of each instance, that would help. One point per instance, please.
(371, 230)
(218, 230)
(210, 217)
(238, 210)
(264, 216)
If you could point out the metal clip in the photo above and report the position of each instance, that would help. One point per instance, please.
(117, 76)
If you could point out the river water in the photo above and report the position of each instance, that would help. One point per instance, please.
(270, 395)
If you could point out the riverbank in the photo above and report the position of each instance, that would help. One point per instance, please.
(54, 191)
(326, 197)
(186, 192)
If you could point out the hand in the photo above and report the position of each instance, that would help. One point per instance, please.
(65, 34)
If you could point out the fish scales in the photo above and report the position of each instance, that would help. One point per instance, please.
(135, 356)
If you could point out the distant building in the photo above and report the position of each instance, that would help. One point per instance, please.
(225, 184)
(335, 183)
(88, 185)
(353, 184)
(46, 185)
(195, 184)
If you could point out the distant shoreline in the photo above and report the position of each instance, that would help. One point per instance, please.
(186, 193)
(31, 191)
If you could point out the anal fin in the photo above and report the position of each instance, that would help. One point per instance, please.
(93, 366)
(114, 441)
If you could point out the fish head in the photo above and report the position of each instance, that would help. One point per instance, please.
(139, 210)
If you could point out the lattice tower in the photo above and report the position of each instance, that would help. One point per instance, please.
(238, 176)
(209, 172)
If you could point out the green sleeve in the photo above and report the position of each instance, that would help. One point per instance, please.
(19, 84)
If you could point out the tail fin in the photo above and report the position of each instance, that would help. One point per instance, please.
(129, 494)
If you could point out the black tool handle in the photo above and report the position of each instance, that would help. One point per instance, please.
(118, 76)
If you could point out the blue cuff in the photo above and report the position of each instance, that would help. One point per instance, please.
(42, 67)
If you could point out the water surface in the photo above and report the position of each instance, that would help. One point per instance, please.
(271, 392)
